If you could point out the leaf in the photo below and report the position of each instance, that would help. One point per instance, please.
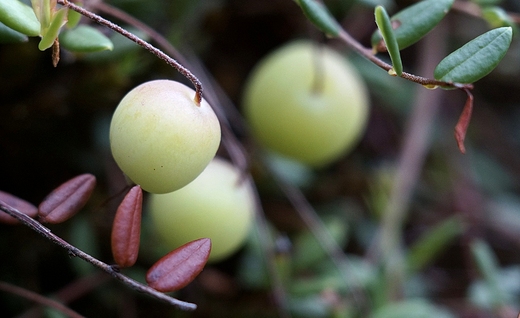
(67, 199)
(179, 267)
(19, 17)
(126, 229)
(497, 17)
(463, 122)
(476, 58)
(8, 35)
(51, 34)
(17, 203)
(318, 14)
(85, 39)
(73, 17)
(432, 243)
(385, 27)
(44, 11)
(414, 22)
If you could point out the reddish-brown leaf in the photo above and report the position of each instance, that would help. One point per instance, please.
(67, 199)
(17, 203)
(463, 123)
(179, 267)
(126, 230)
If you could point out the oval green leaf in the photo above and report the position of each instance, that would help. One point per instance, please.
(85, 39)
(385, 28)
(414, 22)
(318, 14)
(476, 58)
(19, 17)
(8, 35)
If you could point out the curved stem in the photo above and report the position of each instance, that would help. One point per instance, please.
(74, 251)
(160, 54)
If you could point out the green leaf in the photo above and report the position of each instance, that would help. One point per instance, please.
(44, 10)
(73, 18)
(385, 27)
(19, 17)
(497, 17)
(488, 266)
(476, 58)
(433, 242)
(58, 20)
(8, 35)
(85, 39)
(318, 14)
(414, 22)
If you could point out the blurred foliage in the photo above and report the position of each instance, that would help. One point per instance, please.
(462, 229)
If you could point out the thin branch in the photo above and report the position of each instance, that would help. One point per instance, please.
(22, 292)
(369, 55)
(74, 251)
(160, 54)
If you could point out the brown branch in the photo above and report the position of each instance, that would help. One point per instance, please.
(369, 55)
(74, 251)
(152, 49)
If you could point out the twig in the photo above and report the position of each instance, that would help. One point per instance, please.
(22, 292)
(369, 55)
(160, 54)
(74, 251)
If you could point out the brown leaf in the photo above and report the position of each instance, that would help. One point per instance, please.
(126, 230)
(17, 203)
(463, 123)
(67, 199)
(179, 267)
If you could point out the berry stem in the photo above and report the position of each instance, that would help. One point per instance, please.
(160, 54)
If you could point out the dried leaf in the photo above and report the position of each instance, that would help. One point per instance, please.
(179, 267)
(17, 203)
(126, 230)
(62, 203)
(463, 123)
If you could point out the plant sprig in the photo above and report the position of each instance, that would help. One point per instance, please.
(152, 49)
(74, 251)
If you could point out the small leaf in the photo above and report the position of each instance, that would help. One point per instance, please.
(67, 199)
(85, 39)
(19, 17)
(51, 34)
(17, 203)
(179, 267)
(414, 22)
(497, 17)
(44, 11)
(8, 35)
(385, 27)
(126, 229)
(463, 123)
(432, 243)
(318, 14)
(73, 17)
(476, 58)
